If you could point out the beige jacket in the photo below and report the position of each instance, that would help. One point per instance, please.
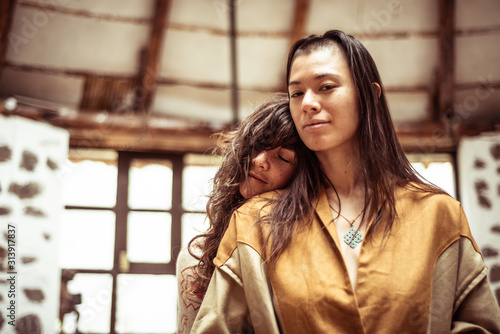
(429, 277)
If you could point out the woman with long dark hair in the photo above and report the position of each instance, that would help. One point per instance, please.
(377, 250)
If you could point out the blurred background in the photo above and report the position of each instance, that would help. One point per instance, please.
(108, 110)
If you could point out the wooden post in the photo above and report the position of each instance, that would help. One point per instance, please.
(234, 62)
(6, 15)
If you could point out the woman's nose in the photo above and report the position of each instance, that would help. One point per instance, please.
(260, 160)
(310, 102)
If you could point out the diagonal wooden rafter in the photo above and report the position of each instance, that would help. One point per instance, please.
(150, 66)
(6, 15)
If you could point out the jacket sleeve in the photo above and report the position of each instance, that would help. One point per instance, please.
(478, 312)
(239, 298)
(188, 303)
(462, 300)
(476, 309)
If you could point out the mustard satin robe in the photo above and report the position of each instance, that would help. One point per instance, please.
(427, 277)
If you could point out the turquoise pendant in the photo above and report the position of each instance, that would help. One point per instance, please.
(353, 237)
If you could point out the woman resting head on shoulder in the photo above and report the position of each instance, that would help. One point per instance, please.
(382, 252)
(263, 154)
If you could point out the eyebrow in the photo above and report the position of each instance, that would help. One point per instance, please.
(317, 77)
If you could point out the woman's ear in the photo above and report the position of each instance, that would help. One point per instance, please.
(377, 86)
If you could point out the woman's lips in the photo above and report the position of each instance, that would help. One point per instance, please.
(315, 124)
(256, 177)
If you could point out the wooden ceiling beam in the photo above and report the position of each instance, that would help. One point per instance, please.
(6, 15)
(150, 64)
(123, 131)
(164, 142)
(298, 30)
(299, 20)
(424, 137)
(103, 120)
(446, 71)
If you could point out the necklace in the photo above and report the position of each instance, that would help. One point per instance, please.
(352, 237)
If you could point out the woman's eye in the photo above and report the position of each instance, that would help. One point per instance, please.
(296, 94)
(287, 161)
(327, 87)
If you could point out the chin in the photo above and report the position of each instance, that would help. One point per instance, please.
(320, 145)
(246, 192)
(243, 191)
(316, 147)
(315, 143)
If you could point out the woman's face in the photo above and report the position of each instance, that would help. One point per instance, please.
(269, 170)
(323, 100)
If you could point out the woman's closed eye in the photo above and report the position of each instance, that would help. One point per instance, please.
(285, 160)
(286, 155)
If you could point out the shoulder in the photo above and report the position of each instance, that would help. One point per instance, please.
(411, 199)
(186, 259)
(259, 204)
(254, 209)
(435, 213)
(246, 226)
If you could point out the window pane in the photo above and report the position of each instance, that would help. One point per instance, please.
(436, 168)
(196, 185)
(150, 184)
(192, 225)
(148, 237)
(95, 309)
(89, 179)
(87, 239)
(439, 173)
(146, 304)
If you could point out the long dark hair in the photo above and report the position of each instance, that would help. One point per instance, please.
(268, 127)
(383, 163)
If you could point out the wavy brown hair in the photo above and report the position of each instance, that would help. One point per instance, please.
(269, 127)
(383, 163)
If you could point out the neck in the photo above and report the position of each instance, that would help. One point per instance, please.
(341, 168)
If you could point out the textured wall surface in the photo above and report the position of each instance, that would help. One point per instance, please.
(31, 157)
(479, 167)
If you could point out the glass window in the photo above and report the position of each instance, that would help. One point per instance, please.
(437, 169)
(192, 225)
(90, 178)
(146, 304)
(148, 237)
(197, 180)
(197, 185)
(95, 309)
(150, 184)
(143, 224)
(87, 239)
